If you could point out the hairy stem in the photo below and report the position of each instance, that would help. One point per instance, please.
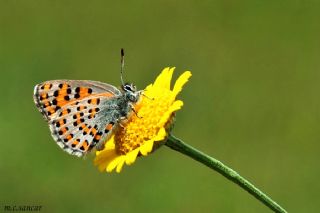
(180, 146)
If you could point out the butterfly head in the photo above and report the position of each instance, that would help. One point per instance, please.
(131, 92)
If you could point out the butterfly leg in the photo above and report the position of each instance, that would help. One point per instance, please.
(133, 109)
(142, 93)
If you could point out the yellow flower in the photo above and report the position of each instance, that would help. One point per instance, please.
(141, 134)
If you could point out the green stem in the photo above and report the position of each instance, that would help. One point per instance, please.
(180, 146)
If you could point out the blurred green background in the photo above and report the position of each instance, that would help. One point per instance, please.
(252, 102)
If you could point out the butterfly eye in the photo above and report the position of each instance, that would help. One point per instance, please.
(129, 87)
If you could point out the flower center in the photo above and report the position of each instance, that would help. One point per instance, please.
(139, 129)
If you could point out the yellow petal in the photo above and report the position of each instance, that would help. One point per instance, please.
(181, 81)
(120, 164)
(174, 107)
(110, 144)
(147, 88)
(112, 165)
(131, 156)
(159, 79)
(167, 80)
(146, 147)
(162, 80)
(104, 158)
(161, 134)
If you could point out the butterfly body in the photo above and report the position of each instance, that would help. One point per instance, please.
(82, 114)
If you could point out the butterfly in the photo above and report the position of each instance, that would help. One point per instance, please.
(82, 114)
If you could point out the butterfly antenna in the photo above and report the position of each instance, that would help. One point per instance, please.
(122, 66)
